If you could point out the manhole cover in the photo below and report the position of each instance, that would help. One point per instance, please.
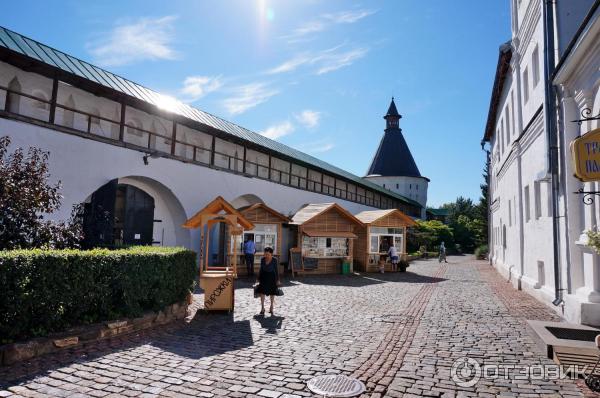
(335, 386)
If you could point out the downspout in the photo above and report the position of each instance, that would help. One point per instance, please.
(552, 138)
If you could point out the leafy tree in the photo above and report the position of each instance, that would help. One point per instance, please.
(26, 195)
(429, 234)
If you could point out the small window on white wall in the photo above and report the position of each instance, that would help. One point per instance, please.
(535, 66)
(509, 213)
(527, 203)
(525, 86)
(538, 200)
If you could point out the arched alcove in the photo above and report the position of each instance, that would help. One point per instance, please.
(245, 200)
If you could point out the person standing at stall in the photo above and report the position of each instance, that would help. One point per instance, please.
(393, 253)
(249, 251)
(268, 279)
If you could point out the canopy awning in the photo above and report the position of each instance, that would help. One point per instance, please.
(326, 234)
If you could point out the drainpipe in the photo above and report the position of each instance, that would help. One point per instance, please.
(552, 139)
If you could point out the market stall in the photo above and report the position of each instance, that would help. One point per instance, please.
(325, 238)
(380, 230)
(217, 280)
(267, 232)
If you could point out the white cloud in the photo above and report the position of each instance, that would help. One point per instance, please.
(319, 146)
(248, 96)
(324, 21)
(326, 60)
(335, 61)
(309, 118)
(348, 16)
(148, 38)
(291, 64)
(278, 130)
(196, 87)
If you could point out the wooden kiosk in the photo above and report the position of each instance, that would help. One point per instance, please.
(217, 280)
(325, 238)
(267, 232)
(381, 228)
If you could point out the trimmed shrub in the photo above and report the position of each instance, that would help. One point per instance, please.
(45, 291)
(481, 252)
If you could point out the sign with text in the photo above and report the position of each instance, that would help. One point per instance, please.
(585, 151)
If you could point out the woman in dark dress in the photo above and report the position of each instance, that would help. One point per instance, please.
(268, 279)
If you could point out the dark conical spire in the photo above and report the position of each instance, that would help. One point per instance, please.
(393, 157)
(392, 111)
(392, 117)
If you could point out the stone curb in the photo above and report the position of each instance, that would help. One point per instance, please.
(23, 351)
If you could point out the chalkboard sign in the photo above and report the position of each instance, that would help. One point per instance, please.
(295, 260)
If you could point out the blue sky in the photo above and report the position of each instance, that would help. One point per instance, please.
(315, 75)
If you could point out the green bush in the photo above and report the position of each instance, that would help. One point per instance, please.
(481, 252)
(45, 291)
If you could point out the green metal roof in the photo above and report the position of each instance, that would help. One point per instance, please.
(50, 56)
(439, 212)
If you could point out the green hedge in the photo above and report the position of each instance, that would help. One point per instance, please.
(44, 291)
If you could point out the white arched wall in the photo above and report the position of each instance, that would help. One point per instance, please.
(83, 165)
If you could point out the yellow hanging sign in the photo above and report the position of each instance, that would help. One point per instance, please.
(585, 152)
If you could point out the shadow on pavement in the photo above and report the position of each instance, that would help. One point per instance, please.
(191, 341)
(270, 323)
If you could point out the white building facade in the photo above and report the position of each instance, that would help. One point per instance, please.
(529, 226)
(116, 144)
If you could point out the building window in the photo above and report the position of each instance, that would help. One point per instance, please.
(535, 66)
(397, 186)
(525, 86)
(537, 199)
(509, 213)
(384, 185)
(527, 203)
(264, 235)
(382, 238)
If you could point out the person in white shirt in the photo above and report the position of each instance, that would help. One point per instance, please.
(393, 253)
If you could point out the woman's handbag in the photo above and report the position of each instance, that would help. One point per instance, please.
(279, 292)
(256, 291)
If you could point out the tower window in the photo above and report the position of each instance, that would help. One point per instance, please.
(397, 186)
(410, 186)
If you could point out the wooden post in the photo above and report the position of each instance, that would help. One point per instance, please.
(52, 100)
(122, 124)
(174, 137)
(212, 152)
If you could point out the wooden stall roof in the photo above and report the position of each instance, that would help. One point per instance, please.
(312, 210)
(341, 234)
(247, 209)
(371, 216)
(215, 207)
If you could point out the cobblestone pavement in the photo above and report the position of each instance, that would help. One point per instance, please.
(398, 333)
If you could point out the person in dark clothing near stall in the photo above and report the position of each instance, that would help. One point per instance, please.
(249, 251)
(268, 279)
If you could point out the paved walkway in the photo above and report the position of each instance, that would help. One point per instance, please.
(399, 333)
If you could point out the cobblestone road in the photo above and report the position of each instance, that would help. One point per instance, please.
(399, 333)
